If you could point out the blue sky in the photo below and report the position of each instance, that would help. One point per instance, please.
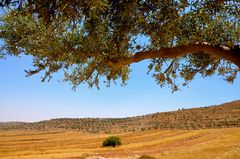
(28, 99)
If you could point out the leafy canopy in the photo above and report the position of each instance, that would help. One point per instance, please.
(112, 141)
(86, 38)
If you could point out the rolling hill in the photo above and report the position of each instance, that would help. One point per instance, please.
(219, 116)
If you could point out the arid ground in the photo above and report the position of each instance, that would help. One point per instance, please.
(165, 144)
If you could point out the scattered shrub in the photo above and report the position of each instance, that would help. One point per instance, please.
(84, 156)
(146, 157)
(112, 141)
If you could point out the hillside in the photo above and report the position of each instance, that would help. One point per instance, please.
(220, 116)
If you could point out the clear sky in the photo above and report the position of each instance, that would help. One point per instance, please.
(28, 99)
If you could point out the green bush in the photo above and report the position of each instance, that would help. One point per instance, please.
(112, 141)
(146, 157)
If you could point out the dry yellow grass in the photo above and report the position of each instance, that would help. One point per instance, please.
(163, 144)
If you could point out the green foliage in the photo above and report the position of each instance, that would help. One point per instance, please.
(146, 157)
(112, 141)
(80, 37)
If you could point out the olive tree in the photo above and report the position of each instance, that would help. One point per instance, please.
(94, 41)
(112, 141)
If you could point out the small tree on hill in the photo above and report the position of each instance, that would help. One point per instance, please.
(146, 157)
(112, 141)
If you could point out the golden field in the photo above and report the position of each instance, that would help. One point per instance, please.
(163, 144)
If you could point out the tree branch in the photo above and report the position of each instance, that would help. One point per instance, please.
(232, 55)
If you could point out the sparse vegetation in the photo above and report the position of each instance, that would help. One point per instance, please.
(146, 157)
(223, 116)
(112, 141)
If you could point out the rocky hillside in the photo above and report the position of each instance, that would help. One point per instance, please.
(220, 116)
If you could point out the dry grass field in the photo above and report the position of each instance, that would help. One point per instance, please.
(163, 144)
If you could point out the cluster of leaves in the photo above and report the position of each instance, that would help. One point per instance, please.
(80, 37)
(146, 157)
(112, 141)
